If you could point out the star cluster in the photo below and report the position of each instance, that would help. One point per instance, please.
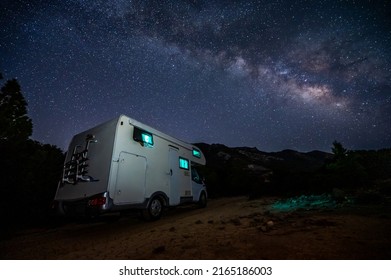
(271, 74)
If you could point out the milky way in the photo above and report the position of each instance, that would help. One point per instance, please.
(270, 74)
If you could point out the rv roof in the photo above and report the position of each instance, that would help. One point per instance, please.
(158, 133)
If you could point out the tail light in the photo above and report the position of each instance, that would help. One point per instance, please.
(97, 201)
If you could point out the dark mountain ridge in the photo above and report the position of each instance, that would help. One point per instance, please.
(217, 154)
(249, 171)
(246, 170)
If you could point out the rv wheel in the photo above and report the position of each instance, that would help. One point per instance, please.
(154, 210)
(202, 201)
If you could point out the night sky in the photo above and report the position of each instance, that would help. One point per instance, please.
(271, 74)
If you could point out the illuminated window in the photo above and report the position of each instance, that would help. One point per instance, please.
(196, 153)
(183, 163)
(143, 137)
(147, 138)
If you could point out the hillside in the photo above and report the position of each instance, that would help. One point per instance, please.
(248, 171)
(218, 154)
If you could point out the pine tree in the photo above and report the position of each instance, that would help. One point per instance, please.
(15, 125)
(339, 151)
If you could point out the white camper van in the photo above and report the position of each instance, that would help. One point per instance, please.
(122, 165)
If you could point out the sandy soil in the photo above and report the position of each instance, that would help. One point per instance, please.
(229, 228)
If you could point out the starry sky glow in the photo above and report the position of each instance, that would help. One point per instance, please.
(270, 74)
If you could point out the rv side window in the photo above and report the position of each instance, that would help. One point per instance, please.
(183, 163)
(143, 137)
(196, 153)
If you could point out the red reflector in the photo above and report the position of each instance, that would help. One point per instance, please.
(98, 201)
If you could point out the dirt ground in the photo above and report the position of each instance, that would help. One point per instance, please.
(229, 228)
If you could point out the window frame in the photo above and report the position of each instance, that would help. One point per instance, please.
(139, 135)
(196, 153)
(186, 161)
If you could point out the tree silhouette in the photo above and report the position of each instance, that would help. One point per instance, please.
(347, 170)
(29, 170)
(338, 150)
(15, 125)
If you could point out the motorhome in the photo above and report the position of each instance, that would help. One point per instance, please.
(124, 165)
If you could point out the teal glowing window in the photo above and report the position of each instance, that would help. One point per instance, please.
(196, 153)
(143, 137)
(147, 138)
(183, 163)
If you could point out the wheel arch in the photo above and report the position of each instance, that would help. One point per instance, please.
(161, 195)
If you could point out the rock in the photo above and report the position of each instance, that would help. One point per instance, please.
(270, 224)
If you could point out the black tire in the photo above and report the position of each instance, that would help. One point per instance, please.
(154, 210)
(203, 201)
